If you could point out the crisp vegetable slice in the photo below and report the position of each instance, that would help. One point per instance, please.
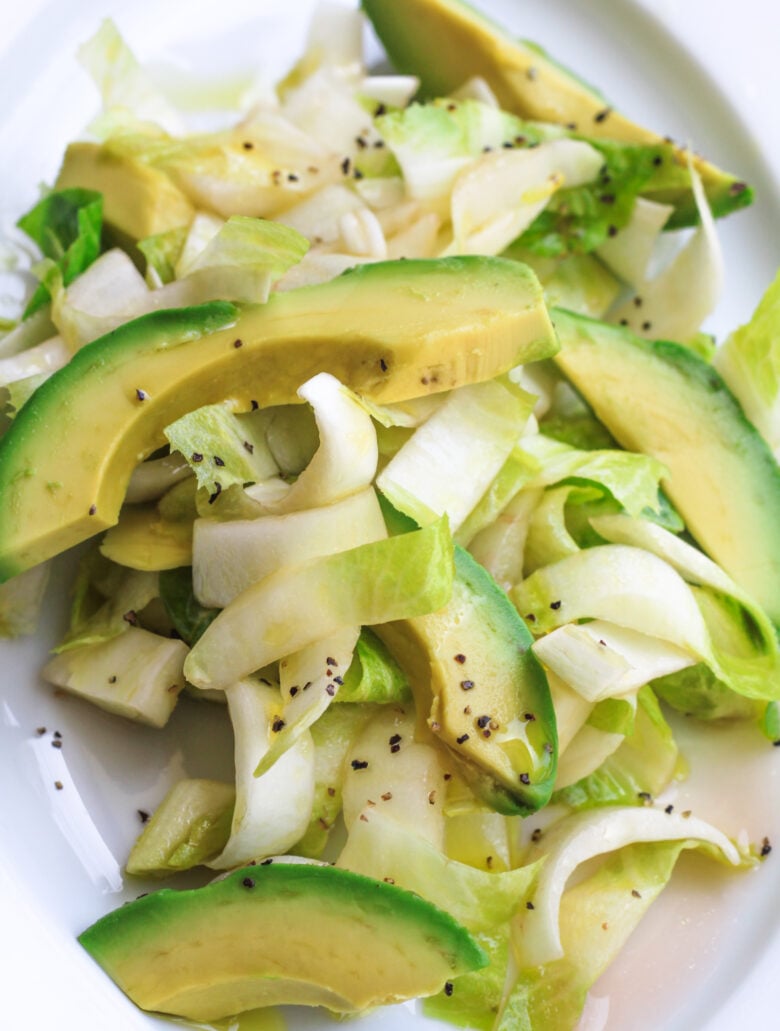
(137, 674)
(449, 462)
(230, 556)
(190, 826)
(380, 846)
(589, 834)
(272, 811)
(396, 578)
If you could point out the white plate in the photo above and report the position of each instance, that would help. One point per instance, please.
(704, 956)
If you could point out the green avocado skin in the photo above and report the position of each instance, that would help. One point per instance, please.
(482, 628)
(291, 922)
(662, 399)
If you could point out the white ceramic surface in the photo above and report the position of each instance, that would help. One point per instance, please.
(703, 960)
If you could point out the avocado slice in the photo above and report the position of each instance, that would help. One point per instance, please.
(445, 42)
(138, 200)
(280, 933)
(662, 399)
(472, 671)
(391, 330)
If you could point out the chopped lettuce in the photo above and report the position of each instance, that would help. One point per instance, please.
(373, 675)
(222, 447)
(229, 556)
(615, 898)
(188, 616)
(578, 838)
(135, 674)
(99, 615)
(580, 218)
(749, 362)
(450, 461)
(189, 827)
(630, 478)
(382, 847)
(644, 764)
(21, 598)
(272, 811)
(397, 578)
(67, 226)
(333, 735)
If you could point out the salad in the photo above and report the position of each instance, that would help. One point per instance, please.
(390, 438)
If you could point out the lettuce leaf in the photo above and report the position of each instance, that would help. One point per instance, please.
(749, 362)
(581, 218)
(67, 226)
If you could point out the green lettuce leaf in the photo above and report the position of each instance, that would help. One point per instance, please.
(67, 226)
(579, 219)
(749, 362)
(188, 616)
(189, 827)
(642, 766)
(374, 675)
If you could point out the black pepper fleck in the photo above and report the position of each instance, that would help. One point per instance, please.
(449, 987)
(524, 778)
(248, 882)
(462, 739)
(277, 725)
(555, 605)
(467, 684)
(359, 764)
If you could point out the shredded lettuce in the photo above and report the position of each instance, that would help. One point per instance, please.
(67, 227)
(643, 765)
(397, 578)
(749, 362)
(583, 216)
(584, 835)
(271, 812)
(450, 461)
(188, 616)
(135, 674)
(189, 827)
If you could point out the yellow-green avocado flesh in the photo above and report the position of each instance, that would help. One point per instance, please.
(446, 42)
(483, 691)
(663, 400)
(390, 330)
(277, 934)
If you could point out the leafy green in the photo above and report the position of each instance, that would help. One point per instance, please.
(67, 226)
(190, 826)
(749, 362)
(162, 252)
(643, 765)
(374, 675)
(188, 616)
(579, 219)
